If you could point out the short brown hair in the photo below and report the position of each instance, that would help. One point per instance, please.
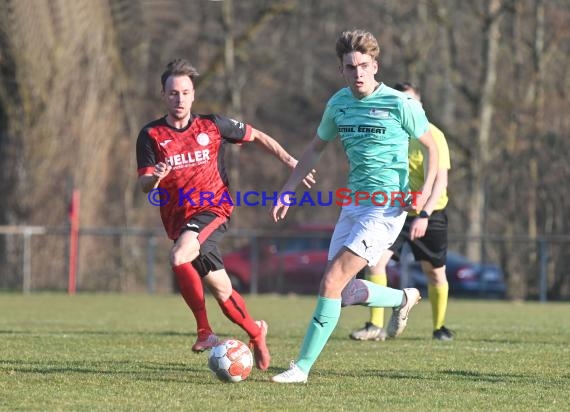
(357, 40)
(405, 86)
(179, 67)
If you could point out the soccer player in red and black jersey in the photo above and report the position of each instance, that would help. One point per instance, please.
(181, 156)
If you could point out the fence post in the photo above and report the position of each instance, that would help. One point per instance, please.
(150, 259)
(73, 242)
(27, 260)
(254, 276)
(543, 259)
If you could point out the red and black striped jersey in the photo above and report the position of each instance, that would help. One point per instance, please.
(198, 180)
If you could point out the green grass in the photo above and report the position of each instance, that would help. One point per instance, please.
(125, 352)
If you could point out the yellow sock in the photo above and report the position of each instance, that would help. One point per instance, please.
(438, 299)
(377, 314)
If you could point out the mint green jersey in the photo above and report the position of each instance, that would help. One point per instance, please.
(374, 132)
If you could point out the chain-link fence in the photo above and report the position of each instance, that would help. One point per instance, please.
(36, 258)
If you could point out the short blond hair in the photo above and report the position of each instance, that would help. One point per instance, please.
(359, 41)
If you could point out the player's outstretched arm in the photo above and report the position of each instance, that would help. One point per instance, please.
(308, 160)
(431, 166)
(272, 146)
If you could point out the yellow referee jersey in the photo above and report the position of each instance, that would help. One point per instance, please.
(416, 162)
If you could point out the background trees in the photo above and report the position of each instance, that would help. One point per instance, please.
(79, 78)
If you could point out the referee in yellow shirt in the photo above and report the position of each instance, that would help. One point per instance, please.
(427, 234)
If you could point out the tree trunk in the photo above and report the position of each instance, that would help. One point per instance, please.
(476, 207)
(537, 96)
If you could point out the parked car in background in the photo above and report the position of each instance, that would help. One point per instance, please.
(294, 262)
(465, 278)
(289, 262)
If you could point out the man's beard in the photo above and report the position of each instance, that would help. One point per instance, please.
(179, 116)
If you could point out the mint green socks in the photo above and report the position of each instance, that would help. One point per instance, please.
(382, 296)
(325, 319)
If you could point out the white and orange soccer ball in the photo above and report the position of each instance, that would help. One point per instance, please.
(231, 360)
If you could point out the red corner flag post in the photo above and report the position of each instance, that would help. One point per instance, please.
(73, 241)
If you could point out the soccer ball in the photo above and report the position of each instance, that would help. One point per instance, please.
(231, 360)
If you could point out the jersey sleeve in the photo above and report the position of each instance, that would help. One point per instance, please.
(234, 131)
(146, 157)
(442, 148)
(328, 128)
(414, 119)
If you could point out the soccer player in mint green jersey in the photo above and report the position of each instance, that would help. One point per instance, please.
(374, 123)
(426, 234)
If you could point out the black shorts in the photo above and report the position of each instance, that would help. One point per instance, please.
(211, 229)
(432, 247)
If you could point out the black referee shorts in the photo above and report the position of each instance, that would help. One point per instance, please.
(432, 247)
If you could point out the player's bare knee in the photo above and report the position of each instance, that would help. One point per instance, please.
(219, 285)
(179, 256)
(436, 276)
(331, 287)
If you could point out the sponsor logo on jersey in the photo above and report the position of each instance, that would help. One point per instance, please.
(203, 139)
(371, 129)
(346, 128)
(237, 123)
(189, 158)
(361, 129)
(378, 113)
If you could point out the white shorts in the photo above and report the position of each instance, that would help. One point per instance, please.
(367, 231)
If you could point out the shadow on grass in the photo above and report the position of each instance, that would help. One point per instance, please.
(170, 372)
(457, 341)
(137, 370)
(438, 376)
(299, 336)
(96, 332)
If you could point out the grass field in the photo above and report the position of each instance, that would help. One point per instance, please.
(132, 352)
